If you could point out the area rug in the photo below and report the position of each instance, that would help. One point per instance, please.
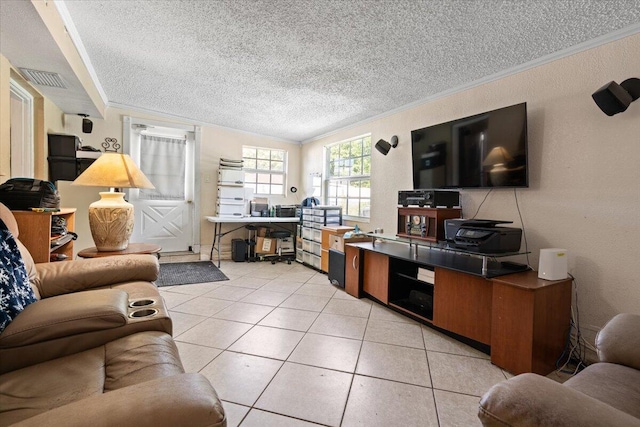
(186, 273)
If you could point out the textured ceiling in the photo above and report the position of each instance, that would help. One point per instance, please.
(298, 69)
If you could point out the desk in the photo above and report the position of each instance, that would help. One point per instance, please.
(244, 220)
(132, 248)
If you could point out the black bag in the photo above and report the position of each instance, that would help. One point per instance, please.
(22, 194)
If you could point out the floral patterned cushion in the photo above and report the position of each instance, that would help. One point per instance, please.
(15, 291)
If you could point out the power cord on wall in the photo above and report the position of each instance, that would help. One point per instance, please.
(482, 203)
(574, 354)
(524, 233)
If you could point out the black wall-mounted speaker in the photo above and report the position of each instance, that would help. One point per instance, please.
(87, 125)
(383, 146)
(614, 98)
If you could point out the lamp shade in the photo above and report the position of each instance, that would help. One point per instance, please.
(497, 156)
(113, 170)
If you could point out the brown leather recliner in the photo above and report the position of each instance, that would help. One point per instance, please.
(604, 394)
(75, 357)
(137, 380)
(81, 304)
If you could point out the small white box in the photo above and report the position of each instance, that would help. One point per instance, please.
(553, 264)
(231, 193)
(231, 177)
(426, 275)
(307, 233)
(316, 248)
(225, 209)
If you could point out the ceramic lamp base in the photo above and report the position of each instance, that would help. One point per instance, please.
(111, 222)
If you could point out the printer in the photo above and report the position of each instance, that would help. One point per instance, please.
(482, 235)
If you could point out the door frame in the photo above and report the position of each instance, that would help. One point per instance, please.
(26, 145)
(129, 125)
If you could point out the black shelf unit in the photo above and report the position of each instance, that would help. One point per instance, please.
(403, 282)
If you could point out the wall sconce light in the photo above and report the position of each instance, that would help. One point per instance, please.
(614, 98)
(87, 125)
(384, 147)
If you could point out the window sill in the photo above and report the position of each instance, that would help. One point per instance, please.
(362, 219)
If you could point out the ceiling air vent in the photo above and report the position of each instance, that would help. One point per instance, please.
(43, 78)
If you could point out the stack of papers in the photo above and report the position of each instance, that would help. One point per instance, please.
(426, 275)
(230, 164)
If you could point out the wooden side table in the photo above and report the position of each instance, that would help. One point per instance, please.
(133, 248)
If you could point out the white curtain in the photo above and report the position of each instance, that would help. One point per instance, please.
(163, 161)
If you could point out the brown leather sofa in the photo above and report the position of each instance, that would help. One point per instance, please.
(604, 394)
(81, 304)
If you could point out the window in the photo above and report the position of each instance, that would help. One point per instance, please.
(348, 176)
(264, 170)
(316, 185)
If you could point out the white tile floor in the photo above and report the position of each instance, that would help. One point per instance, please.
(283, 347)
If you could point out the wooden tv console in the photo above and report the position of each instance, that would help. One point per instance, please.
(524, 320)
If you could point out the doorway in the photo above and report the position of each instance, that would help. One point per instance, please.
(165, 215)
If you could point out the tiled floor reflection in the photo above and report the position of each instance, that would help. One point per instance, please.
(283, 347)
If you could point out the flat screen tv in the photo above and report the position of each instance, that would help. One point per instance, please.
(487, 150)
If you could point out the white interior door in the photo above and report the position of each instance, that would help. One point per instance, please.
(165, 214)
(21, 110)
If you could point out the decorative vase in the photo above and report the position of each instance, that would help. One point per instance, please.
(111, 221)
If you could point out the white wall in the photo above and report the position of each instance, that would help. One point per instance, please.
(584, 192)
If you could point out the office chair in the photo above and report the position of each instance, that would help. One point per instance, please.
(251, 242)
(280, 257)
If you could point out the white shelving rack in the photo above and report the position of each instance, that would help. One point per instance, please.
(231, 193)
(313, 219)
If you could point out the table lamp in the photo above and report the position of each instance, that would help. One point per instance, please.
(111, 217)
(496, 159)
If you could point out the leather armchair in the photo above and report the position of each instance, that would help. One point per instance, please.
(605, 393)
(137, 380)
(81, 304)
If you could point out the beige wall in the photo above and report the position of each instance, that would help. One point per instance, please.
(216, 142)
(584, 192)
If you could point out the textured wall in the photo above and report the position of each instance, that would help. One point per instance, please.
(584, 192)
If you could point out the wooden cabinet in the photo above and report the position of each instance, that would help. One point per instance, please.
(326, 233)
(375, 276)
(35, 233)
(425, 223)
(530, 322)
(352, 263)
(462, 304)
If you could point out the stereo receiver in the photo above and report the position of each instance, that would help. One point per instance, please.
(429, 198)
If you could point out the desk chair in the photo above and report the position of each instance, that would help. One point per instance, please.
(251, 242)
(280, 257)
